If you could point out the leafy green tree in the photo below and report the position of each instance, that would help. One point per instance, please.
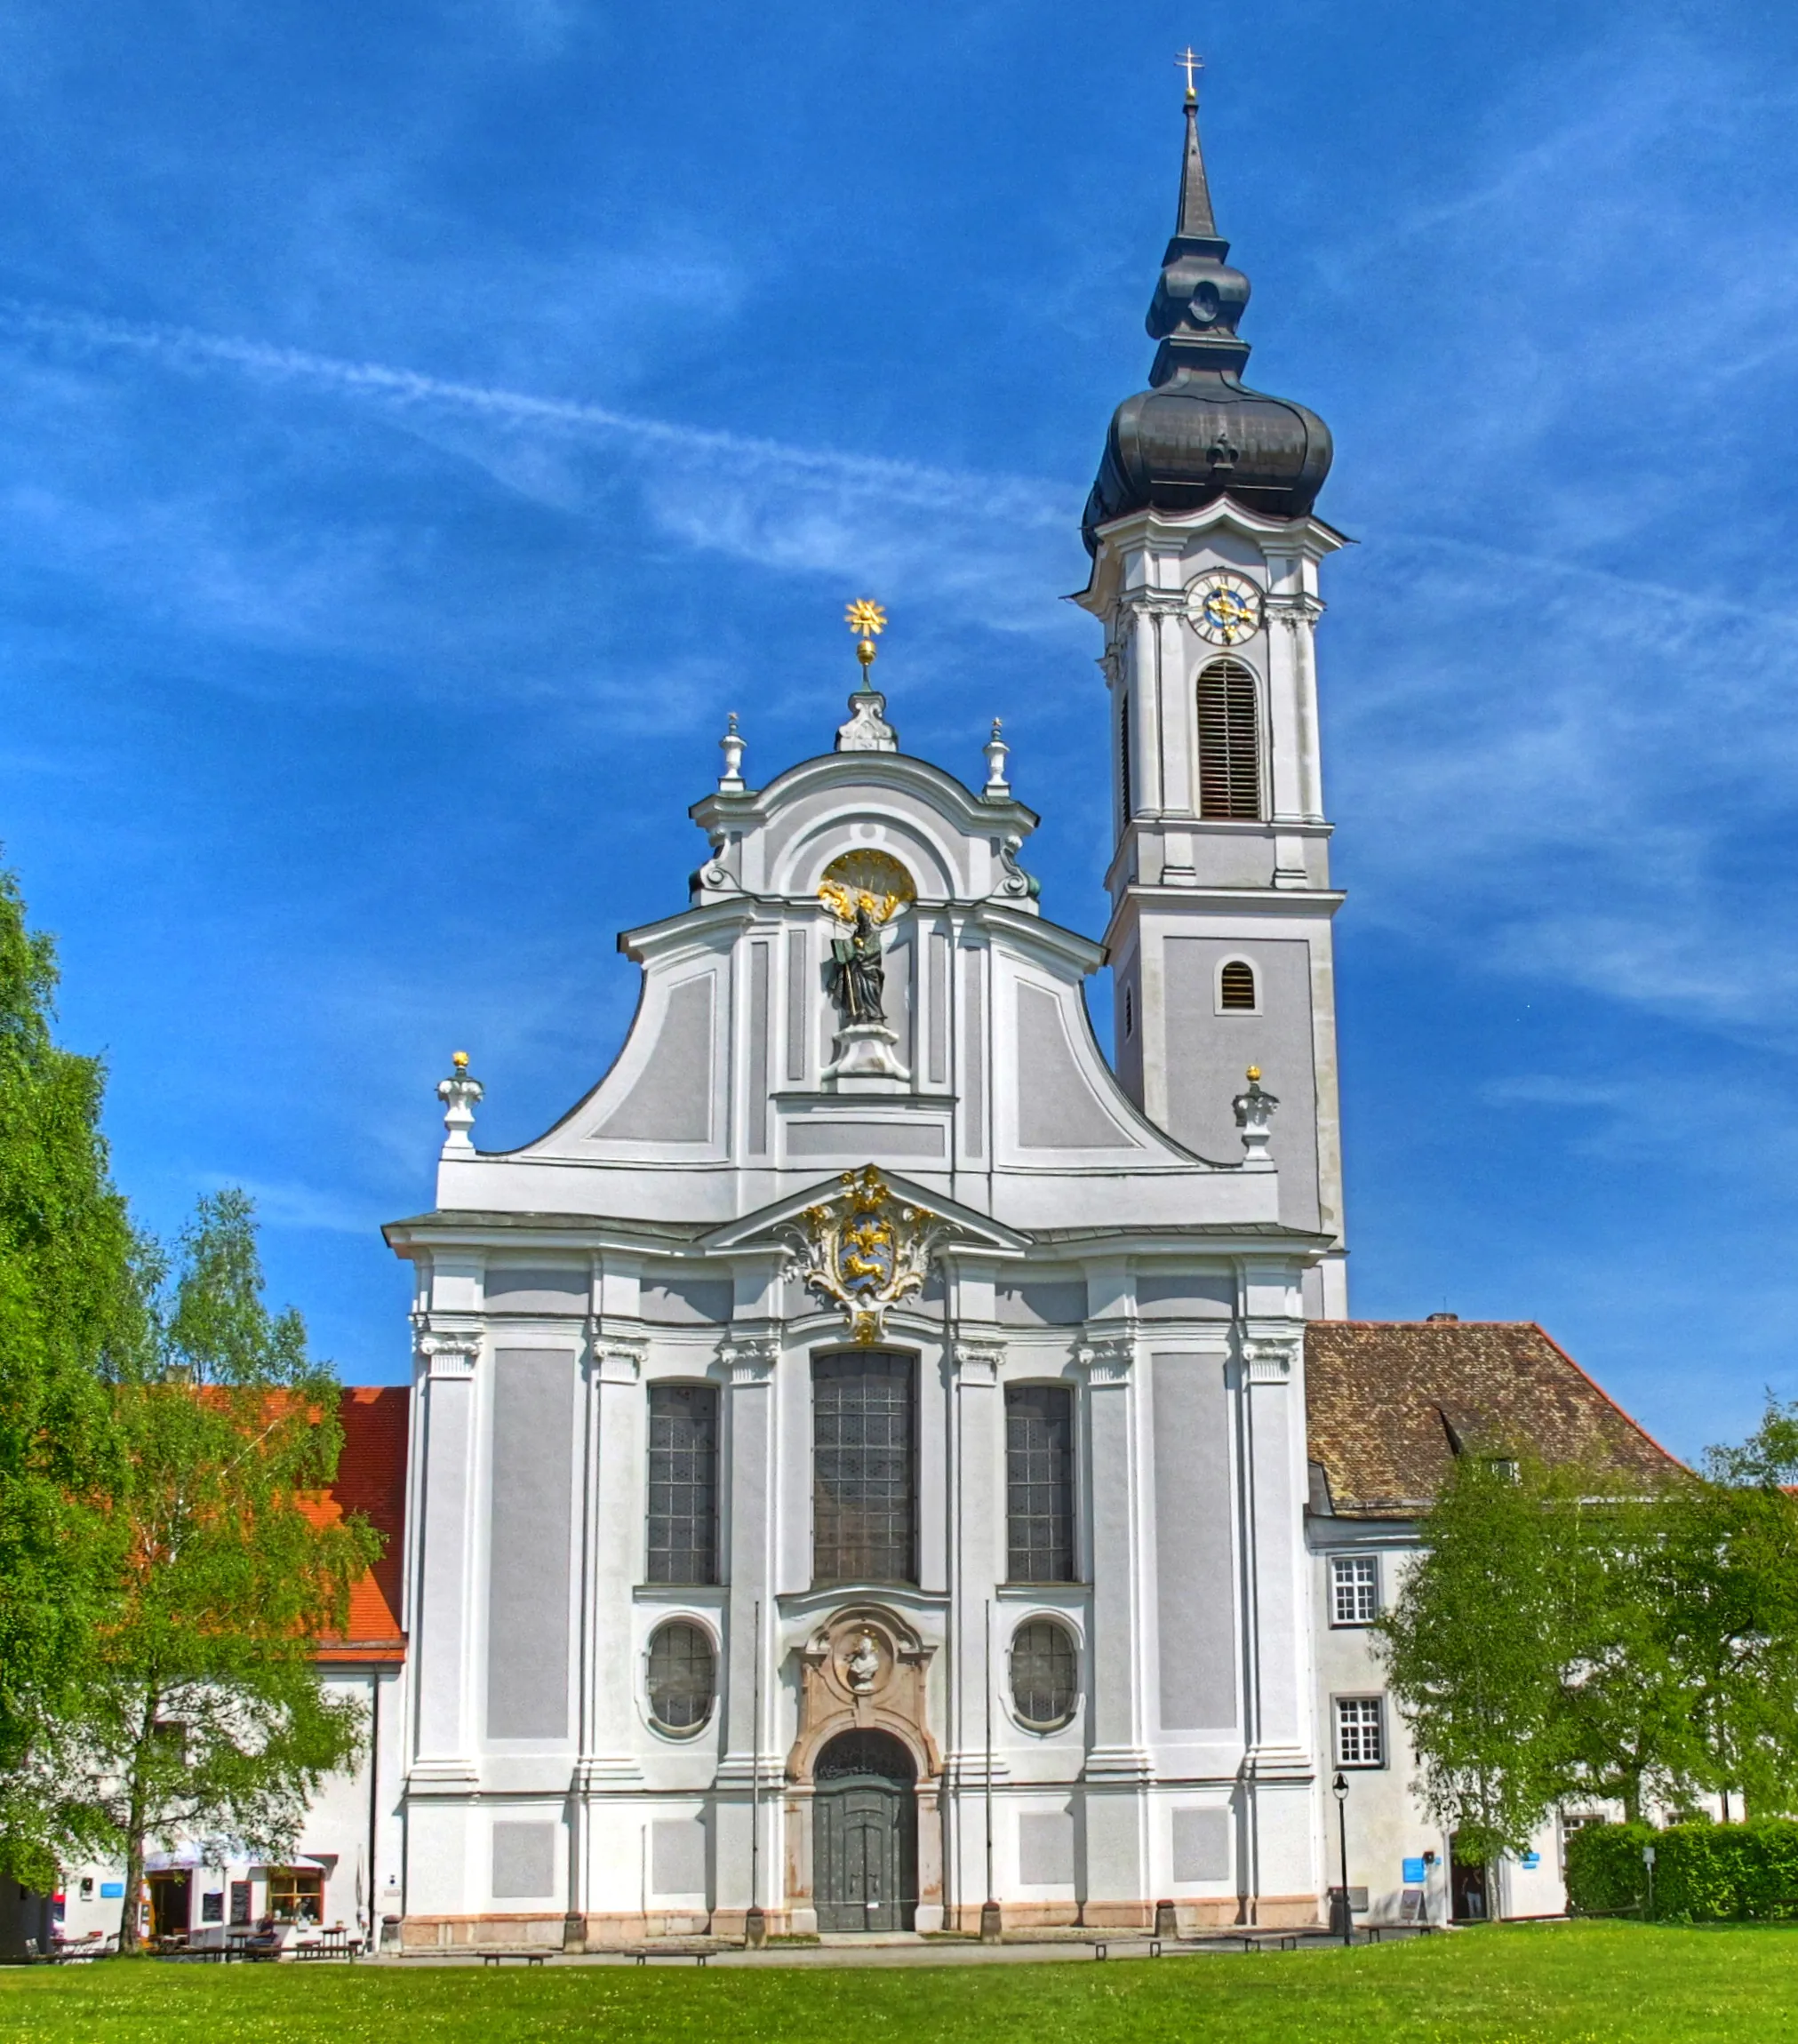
(72, 1278)
(1734, 1544)
(203, 1713)
(1565, 1635)
(1475, 1644)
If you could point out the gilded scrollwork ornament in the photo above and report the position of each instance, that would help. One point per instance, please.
(866, 1252)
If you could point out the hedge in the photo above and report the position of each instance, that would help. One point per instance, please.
(1703, 1873)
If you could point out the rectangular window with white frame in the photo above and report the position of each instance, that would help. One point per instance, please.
(1353, 1589)
(1360, 1731)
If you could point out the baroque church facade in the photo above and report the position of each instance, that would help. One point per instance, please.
(859, 1453)
(863, 1471)
(874, 1466)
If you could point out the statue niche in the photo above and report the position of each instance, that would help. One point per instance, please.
(866, 891)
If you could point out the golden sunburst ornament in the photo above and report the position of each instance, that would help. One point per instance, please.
(868, 621)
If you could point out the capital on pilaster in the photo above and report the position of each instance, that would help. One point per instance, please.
(977, 1361)
(1107, 1357)
(1154, 604)
(1272, 1354)
(750, 1359)
(446, 1351)
(616, 1358)
(1294, 611)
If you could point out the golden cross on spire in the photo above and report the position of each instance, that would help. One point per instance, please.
(1190, 61)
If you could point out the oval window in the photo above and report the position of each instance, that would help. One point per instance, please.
(682, 1676)
(1045, 1672)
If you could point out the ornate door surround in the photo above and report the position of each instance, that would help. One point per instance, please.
(863, 1670)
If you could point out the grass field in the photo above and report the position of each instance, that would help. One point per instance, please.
(1528, 1985)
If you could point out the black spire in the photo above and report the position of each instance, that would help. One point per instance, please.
(1198, 432)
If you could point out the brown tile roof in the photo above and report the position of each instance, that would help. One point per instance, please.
(1388, 1401)
(372, 1480)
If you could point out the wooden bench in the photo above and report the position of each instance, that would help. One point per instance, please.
(499, 1958)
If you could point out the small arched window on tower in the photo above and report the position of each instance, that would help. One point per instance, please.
(1229, 743)
(1123, 788)
(1237, 990)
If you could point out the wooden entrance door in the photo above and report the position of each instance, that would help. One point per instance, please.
(865, 1835)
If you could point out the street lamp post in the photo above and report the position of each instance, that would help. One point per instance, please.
(1338, 1788)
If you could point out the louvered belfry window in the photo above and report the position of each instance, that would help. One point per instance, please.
(1229, 742)
(864, 1469)
(1237, 985)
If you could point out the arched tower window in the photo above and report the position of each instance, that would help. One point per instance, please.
(1229, 742)
(1237, 986)
(1124, 787)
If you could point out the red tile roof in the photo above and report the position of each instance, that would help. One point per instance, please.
(1388, 1403)
(372, 1480)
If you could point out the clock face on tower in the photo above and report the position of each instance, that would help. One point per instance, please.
(1225, 609)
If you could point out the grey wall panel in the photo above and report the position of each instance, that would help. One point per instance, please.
(528, 1580)
(798, 1003)
(1202, 1845)
(671, 1100)
(937, 1070)
(523, 1862)
(518, 1288)
(1195, 1593)
(677, 1300)
(761, 1082)
(1207, 1054)
(875, 1139)
(901, 994)
(1185, 1295)
(1057, 1107)
(973, 1083)
(677, 1856)
(1044, 1302)
(1045, 1849)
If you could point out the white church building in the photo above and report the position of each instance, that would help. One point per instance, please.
(860, 1465)
(875, 1466)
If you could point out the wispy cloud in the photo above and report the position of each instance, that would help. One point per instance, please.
(979, 541)
(1570, 735)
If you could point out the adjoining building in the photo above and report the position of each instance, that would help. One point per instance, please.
(873, 1463)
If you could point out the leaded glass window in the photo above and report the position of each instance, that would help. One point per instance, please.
(1045, 1673)
(683, 1483)
(1039, 1483)
(682, 1676)
(863, 1506)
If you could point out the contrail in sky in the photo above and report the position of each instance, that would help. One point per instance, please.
(182, 347)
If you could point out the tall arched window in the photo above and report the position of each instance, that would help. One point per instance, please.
(1229, 742)
(1123, 788)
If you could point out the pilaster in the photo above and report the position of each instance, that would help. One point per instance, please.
(749, 1770)
(976, 1566)
(443, 1649)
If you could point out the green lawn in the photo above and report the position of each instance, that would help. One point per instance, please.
(1528, 1985)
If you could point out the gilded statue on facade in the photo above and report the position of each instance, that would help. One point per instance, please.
(858, 973)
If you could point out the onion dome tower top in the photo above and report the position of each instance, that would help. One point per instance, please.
(1198, 432)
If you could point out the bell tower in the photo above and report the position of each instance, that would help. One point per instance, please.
(1205, 555)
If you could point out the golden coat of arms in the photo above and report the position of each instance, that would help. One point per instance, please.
(866, 1252)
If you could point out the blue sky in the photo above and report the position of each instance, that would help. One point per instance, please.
(418, 426)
